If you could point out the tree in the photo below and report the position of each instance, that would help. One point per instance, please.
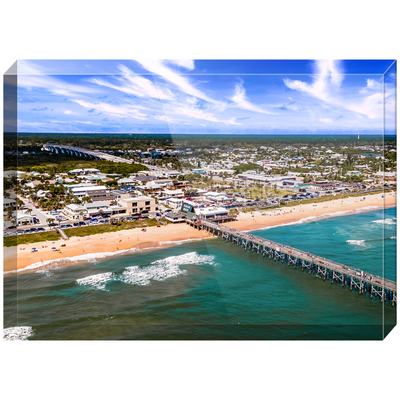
(29, 211)
(10, 212)
(50, 220)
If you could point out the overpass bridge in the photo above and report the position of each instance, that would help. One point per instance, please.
(365, 283)
(79, 151)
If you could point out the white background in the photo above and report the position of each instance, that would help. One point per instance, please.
(214, 30)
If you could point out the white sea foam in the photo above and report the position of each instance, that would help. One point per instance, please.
(161, 270)
(46, 272)
(387, 221)
(393, 237)
(357, 242)
(98, 281)
(17, 333)
(92, 258)
(179, 242)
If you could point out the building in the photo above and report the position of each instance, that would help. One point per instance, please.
(173, 193)
(126, 182)
(75, 211)
(9, 203)
(137, 205)
(174, 217)
(98, 208)
(174, 203)
(119, 194)
(83, 191)
(24, 219)
(211, 212)
(100, 195)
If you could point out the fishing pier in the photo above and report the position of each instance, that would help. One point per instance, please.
(360, 281)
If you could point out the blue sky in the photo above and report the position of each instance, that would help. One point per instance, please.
(200, 96)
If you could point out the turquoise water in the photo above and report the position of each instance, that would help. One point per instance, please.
(211, 289)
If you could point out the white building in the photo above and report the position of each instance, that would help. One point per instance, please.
(174, 203)
(75, 211)
(83, 191)
(138, 204)
(211, 212)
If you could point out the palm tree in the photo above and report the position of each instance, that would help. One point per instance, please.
(29, 211)
(50, 220)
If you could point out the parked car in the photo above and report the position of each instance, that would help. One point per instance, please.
(82, 223)
(53, 224)
(41, 229)
(36, 206)
(76, 223)
(33, 229)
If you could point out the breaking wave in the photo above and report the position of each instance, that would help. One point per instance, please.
(17, 333)
(357, 242)
(98, 281)
(387, 221)
(92, 258)
(159, 270)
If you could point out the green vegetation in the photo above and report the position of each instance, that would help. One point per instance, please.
(56, 163)
(81, 231)
(104, 228)
(246, 167)
(30, 238)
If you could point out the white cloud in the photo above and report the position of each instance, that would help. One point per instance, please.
(326, 120)
(116, 111)
(69, 112)
(372, 84)
(158, 68)
(326, 84)
(135, 85)
(241, 101)
(188, 64)
(328, 75)
(30, 77)
(192, 112)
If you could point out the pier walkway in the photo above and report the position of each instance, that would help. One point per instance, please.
(364, 282)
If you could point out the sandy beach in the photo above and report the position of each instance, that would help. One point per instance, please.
(108, 244)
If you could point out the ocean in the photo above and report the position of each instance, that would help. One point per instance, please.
(212, 290)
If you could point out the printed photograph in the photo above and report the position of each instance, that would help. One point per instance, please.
(199, 200)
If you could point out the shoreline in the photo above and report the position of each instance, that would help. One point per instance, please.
(84, 249)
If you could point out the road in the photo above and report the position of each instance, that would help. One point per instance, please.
(40, 215)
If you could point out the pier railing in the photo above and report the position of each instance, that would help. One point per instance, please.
(362, 281)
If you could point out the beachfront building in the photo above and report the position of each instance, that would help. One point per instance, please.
(75, 211)
(212, 213)
(24, 219)
(137, 205)
(174, 217)
(98, 208)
